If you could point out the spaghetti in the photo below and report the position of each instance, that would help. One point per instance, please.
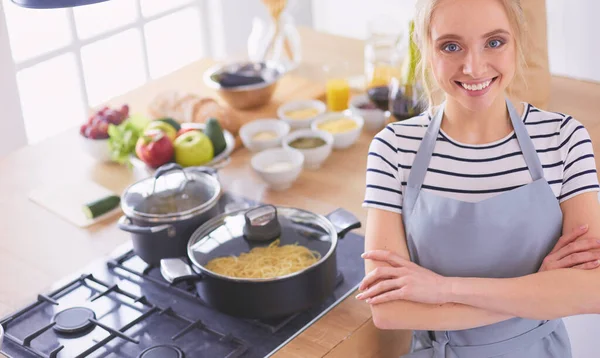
(265, 262)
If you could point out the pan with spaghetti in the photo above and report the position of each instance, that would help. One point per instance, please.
(268, 261)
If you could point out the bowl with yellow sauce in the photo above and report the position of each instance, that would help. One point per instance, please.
(279, 168)
(300, 114)
(316, 146)
(345, 127)
(263, 134)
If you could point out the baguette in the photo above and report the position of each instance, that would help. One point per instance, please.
(174, 104)
(189, 107)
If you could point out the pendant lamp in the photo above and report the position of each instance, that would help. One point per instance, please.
(53, 4)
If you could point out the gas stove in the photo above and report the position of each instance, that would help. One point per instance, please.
(122, 307)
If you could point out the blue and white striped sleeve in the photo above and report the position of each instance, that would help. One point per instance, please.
(383, 184)
(579, 170)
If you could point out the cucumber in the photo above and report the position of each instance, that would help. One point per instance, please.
(101, 206)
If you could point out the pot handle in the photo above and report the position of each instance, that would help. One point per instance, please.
(343, 221)
(125, 224)
(194, 277)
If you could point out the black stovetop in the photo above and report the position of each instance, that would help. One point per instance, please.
(129, 310)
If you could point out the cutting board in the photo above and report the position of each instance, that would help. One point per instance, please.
(67, 199)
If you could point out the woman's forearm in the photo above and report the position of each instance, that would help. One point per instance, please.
(543, 295)
(402, 314)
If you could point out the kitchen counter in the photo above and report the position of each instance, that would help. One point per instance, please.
(38, 248)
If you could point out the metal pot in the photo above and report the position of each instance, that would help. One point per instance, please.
(163, 211)
(240, 231)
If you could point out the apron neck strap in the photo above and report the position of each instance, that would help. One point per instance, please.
(423, 156)
(531, 157)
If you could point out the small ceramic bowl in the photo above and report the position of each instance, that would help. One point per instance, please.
(278, 167)
(96, 148)
(375, 118)
(283, 110)
(249, 130)
(341, 140)
(313, 157)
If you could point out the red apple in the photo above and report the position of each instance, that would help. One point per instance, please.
(184, 130)
(154, 148)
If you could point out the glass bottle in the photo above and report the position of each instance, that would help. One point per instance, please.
(276, 43)
(383, 51)
(405, 90)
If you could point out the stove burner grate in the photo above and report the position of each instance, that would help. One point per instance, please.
(74, 320)
(162, 351)
(78, 319)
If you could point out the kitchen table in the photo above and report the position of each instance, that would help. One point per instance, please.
(38, 248)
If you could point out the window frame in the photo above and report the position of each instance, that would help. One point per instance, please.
(15, 123)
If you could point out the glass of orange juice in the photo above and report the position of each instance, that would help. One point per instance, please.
(337, 87)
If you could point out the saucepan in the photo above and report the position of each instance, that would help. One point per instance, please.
(267, 261)
(161, 212)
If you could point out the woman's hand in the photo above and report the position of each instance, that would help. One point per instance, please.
(568, 253)
(404, 280)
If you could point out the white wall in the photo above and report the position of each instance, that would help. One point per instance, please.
(328, 16)
(574, 38)
(573, 32)
(12, 127)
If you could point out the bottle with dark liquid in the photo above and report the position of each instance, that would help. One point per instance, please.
(405, 92)
(380, 96)
(405, 100)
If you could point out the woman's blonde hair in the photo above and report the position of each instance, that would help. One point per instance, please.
(422, 37)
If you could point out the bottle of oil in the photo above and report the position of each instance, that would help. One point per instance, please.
(405, 92)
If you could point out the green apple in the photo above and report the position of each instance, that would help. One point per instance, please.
(165, 127)
(193, 148)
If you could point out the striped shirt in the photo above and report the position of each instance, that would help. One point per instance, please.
(472, 173)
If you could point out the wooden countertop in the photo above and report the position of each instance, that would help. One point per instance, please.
(37, 248)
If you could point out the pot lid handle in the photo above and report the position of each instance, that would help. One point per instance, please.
(343, 221)
(169, 168)
(262, 223)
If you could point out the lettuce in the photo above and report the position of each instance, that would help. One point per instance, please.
(122, 139)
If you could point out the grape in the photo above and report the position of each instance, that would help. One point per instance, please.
(90, 132)
(113, 116)
(102, 128)
(98, 118)
(83, 129)
(124, 111)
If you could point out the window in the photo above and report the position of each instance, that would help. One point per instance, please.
(68, 60)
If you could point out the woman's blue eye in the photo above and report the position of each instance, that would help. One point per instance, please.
(495, 43)
(451, 48)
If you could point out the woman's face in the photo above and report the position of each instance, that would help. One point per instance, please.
(472, 51)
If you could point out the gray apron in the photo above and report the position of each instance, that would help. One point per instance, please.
(507, 235)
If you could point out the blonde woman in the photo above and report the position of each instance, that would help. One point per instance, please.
(468, 201)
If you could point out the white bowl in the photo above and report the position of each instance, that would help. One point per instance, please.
(297, 105)
(248, 130)
(344, 139)
(280, 178)
(96, 148)
(375, 119)
(313, 157)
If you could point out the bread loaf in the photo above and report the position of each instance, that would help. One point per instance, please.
(189, 107)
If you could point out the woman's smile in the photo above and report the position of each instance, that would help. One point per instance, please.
(477, 88)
